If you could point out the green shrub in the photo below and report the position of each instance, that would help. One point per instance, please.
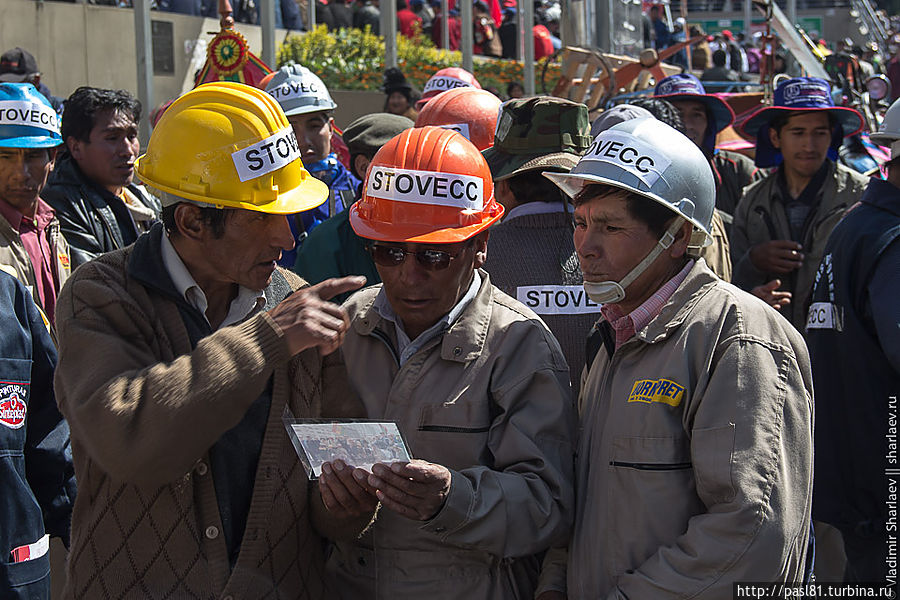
(352, 59)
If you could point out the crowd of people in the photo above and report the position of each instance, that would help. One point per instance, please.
(604, 340)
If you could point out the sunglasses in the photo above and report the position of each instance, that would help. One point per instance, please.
(430, 260)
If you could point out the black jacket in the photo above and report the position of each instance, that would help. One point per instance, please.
(86, 214)
(37, 479)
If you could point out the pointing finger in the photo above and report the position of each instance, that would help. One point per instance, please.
(330, 288)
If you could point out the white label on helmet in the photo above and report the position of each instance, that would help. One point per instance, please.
(426, 187)
(30, 114)
(556, 299)
(442, 84)
(269, 155)
(299, 88)
(462, 128)
(637, 157)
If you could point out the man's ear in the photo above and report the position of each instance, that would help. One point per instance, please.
(76, 147)
(51, 156)
(188, 221)
(682, 239)
(481, 244)
(360, 164)
(775, 138)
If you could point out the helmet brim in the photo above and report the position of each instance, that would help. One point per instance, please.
(848, 118)
(721, 111)
(35, 141)
(419, 234)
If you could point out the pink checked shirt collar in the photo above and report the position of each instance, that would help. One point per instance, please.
(626, 326)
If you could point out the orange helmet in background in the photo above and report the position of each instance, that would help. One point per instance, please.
(448, 78)
(471, 112)
(427, 185)
(262, 83)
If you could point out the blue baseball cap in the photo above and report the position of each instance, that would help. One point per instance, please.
(797, 95)
(684, 86)
(27, 119)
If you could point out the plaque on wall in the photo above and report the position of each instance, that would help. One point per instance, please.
(163, 47)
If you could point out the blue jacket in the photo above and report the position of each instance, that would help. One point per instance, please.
(341, 183)
(853, 331)
(37, 479)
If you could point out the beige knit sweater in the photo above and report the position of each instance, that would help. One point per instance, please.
(144, 409)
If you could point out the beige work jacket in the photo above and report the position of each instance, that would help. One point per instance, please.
(694, 464)
(760, 217)
(490, 400)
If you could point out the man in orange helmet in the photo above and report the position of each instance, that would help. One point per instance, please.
(475, 381)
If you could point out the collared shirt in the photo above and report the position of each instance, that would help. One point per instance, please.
(626, 326)
(245, 304)
(406, 347)
(35, 238)
(535, 208)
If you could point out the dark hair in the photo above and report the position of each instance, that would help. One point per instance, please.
(780, 120)
(719, 58)
(532, 186)
(401, 4)
(80, 112)
(514, 84)
(214, 218)
(663, 110)
(649, 212)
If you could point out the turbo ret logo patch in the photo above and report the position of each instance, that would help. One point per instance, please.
(12, 405)
(656, 390)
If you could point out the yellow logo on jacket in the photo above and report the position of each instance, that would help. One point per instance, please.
(657, 390)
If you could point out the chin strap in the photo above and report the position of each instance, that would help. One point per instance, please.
(612, 292)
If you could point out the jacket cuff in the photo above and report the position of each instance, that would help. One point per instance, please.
(457, 507)
(269, 336)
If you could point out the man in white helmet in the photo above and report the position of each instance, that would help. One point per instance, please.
(310, 110)
(694, 463)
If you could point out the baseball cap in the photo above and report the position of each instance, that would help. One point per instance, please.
(17, 65)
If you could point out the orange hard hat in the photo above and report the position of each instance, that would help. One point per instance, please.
(265, 80)
(427, 185)
(471, 112)
(448, 78)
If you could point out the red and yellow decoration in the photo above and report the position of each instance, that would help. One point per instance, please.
(228, 57)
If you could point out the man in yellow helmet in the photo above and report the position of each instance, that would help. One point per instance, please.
(180, 354)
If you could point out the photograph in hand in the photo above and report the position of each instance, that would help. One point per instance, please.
(357, 443)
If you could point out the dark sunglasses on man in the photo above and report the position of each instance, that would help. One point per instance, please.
(430, 260)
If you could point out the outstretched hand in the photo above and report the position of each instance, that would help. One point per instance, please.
(309, 320)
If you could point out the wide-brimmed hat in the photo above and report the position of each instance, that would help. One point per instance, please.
(685, 86)
(540, 133)
(798, 95)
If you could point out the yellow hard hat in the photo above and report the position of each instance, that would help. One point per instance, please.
(230, 145)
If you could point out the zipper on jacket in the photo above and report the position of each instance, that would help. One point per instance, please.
(387, 342)
(652, 466)
(447, 429)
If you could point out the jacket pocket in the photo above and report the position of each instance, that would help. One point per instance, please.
(651, 497)
(15, 386)
(453, 434)
(28, 579)
(712, 450)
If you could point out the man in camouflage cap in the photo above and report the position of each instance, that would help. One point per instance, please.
(531, 254)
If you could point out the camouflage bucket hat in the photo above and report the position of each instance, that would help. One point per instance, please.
(542, 133)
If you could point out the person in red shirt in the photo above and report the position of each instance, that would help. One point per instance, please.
(409, 22)
(31, 246)
(543, 45)
(455, 26)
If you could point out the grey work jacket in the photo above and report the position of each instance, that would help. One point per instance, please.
(490, 400)
(761, 217)
(694, 464)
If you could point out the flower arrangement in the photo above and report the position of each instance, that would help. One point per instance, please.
(353, 59)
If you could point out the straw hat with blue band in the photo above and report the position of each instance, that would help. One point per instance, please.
(798, 95)
(684, 86)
